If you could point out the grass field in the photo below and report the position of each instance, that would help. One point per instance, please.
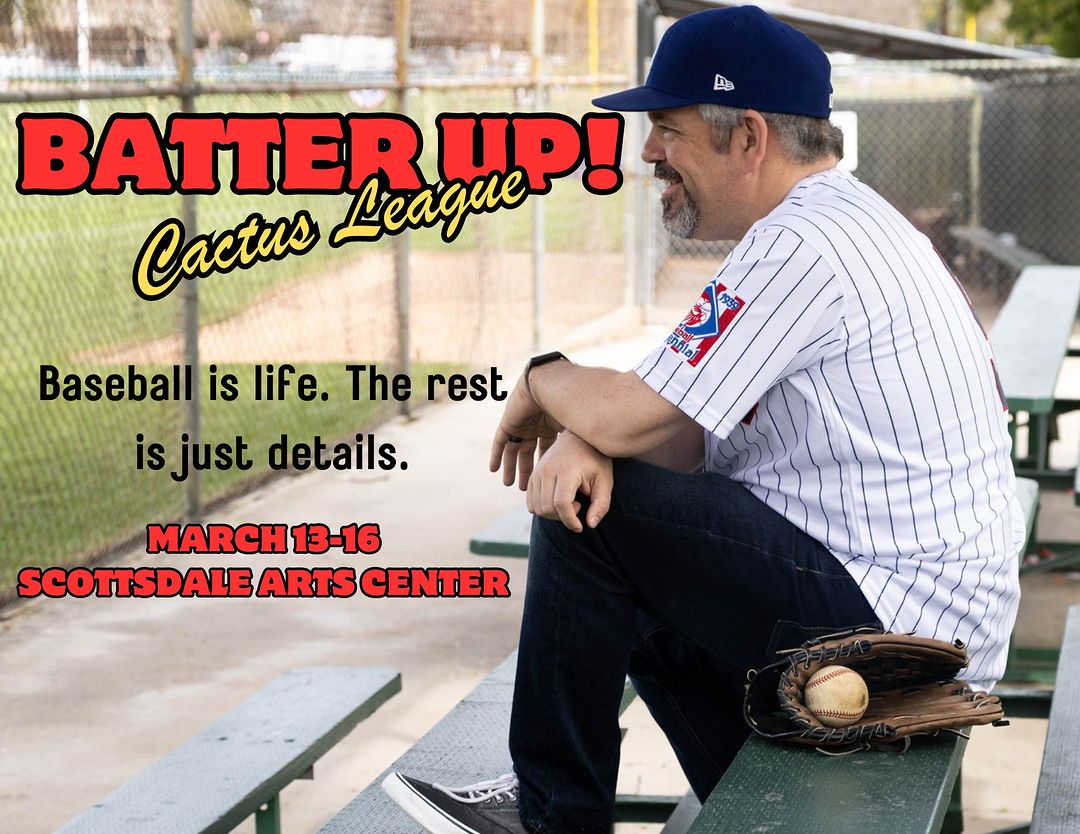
(68, 484)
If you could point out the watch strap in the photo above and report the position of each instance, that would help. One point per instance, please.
(537, 361)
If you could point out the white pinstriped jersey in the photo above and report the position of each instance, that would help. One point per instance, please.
(842, 377)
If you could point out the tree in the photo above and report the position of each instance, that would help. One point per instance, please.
(1055, 22)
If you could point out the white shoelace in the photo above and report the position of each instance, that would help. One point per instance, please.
(500, 789)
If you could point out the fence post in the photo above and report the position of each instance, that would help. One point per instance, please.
(646, 222)
(401, 241)
(189, 290)
(539, 234)
(82, 46)
(974, 160)
(633, 170)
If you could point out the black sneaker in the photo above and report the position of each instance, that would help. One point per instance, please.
(484, 808)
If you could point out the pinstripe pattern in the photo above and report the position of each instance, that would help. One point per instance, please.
(879, 428)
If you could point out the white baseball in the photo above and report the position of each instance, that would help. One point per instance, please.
(836, 695)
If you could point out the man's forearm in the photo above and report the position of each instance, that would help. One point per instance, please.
(616, 413)
(685, 452)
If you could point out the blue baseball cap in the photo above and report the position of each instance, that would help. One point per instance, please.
(740, 57)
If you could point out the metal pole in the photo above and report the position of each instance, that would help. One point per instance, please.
(83, 45)
(646, 37)
(632, 171)
(646, 221)
(594, 41)
(974, 161)
(402, 241)
(539, 220)
(18, 24)
(633, 177)
(189, 290)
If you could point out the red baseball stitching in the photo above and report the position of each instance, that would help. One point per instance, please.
(834, 713)
(832, 673)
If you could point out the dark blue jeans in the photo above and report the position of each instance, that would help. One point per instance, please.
(688, 582)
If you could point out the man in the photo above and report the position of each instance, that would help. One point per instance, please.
(833, 384)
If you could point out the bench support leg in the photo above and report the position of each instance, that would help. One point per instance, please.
(268, 817)
(1041, 431)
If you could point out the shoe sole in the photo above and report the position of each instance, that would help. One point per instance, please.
(417, 806)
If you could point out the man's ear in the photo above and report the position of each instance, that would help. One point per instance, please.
(754, 137)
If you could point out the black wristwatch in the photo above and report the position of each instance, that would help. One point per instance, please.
(537, 361)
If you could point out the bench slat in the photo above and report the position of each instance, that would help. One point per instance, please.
(221, 776)
(685, 814)
(1025, 701)
(468, 745)
(1057, 801)
(1031, 334)
(779, 787)
(508, 536)
(1014, 255)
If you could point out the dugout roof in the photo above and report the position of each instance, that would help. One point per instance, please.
(860, 37)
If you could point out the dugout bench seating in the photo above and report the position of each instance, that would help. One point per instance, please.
(240, 763)
(769, 787)
(468, 745)
(1002, 257)
(1030, 338)
(1057, 800)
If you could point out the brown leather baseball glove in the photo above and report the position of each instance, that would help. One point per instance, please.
(911, 681)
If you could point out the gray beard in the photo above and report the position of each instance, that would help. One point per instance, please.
(684, 220)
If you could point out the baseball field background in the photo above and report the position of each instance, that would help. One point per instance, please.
(987, 145)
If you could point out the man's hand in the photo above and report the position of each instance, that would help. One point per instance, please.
(570, 466)
(524, 427)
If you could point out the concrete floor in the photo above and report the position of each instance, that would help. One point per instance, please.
(93, 691)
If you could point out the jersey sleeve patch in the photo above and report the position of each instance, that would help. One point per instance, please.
(706, 322)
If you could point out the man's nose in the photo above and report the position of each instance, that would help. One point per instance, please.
(652, 150)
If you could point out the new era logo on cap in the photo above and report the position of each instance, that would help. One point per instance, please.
(721, 83)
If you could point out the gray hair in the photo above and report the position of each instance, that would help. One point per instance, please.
(804, 139)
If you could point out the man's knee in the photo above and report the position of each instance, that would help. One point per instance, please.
(548, 533)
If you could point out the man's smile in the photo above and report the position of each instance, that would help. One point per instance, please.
(668, 175)
(670, 190)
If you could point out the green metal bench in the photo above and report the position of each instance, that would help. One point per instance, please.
(769, 787)
(982, 241)
(773, 787)
(1057, 801)
(506, 536)
(239, 765)
(466, 746)
(1030, 339)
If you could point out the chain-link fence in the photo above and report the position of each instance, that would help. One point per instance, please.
(70, 489)
(979, 155)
